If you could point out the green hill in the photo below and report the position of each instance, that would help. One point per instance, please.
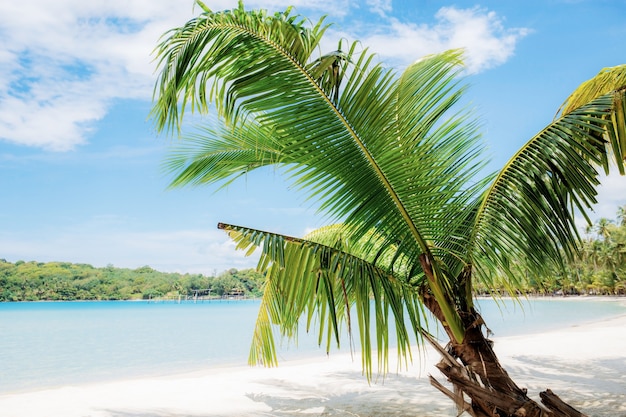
(35, 281)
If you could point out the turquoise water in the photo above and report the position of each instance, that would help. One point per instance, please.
(47, 344)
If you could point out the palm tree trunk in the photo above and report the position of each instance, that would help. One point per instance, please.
(481, 386)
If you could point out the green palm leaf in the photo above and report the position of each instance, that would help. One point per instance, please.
(327, 283)
(223, 49)
(389, 155)
(527, 214)
(221, 155)
(287, 101)
(605, 82)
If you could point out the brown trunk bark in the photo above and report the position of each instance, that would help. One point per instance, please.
(481, 387)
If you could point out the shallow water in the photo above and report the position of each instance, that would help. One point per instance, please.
(48, 344)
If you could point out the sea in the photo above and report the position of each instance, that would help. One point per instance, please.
(52, 344)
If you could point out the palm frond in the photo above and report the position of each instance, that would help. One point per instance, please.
(389, 155)
(357, 147)
(605, 82)
(219, 154)
(222, 49)
(331, 286)
(527, 214)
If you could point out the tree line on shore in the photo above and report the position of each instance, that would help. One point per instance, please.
(600, 270)
(38, 281)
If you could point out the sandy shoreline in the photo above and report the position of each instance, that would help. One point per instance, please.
(585, 364)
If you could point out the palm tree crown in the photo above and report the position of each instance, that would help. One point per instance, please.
(392, 158)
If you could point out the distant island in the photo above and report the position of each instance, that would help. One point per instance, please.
(64, 281)
(600, 270)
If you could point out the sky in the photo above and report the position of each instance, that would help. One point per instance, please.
(81, 164)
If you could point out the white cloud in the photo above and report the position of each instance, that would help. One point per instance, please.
(64, 63)
(337, 8)
(56, 122)
(481, 33)
(380, 7)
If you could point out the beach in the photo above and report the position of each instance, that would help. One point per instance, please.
(585, 364)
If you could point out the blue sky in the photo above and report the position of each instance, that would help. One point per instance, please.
(80, 161)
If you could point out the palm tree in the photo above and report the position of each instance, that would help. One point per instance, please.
(621, 215)
(603, 229)
(395, 164)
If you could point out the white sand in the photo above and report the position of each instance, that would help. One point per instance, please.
(585, 365)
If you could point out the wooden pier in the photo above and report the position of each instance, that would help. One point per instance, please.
(200, 295)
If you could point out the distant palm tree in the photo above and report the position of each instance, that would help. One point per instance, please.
(621, 215)
(397, 165)
(603, 228)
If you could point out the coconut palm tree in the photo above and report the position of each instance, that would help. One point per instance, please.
(603, 228)
(621, 215)
(395, 163)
